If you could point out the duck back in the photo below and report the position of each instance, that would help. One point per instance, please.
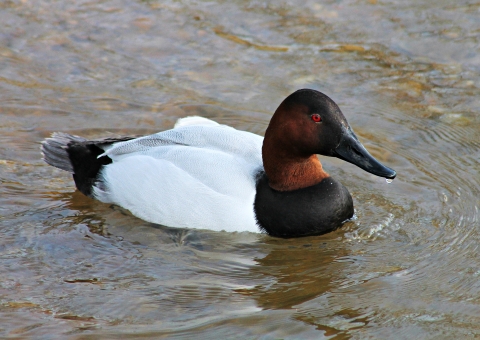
(194, 176)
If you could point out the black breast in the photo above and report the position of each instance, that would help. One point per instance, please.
(314, 210)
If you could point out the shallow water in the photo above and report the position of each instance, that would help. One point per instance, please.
(406, 75)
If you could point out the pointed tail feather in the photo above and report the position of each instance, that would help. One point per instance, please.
(79, 156)
(54, 150)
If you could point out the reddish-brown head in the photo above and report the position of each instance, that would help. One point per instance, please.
(307, 123)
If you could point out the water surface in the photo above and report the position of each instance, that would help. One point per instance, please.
(406, 75)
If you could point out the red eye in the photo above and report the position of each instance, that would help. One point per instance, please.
(316, 118)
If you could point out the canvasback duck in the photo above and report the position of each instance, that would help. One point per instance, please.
(201, 174)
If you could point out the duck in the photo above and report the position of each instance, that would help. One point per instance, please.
(204, 175)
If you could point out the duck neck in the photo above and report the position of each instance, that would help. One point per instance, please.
(287, 171)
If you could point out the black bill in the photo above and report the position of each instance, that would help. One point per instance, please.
(351, 150)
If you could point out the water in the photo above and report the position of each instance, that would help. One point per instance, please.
(405, 74)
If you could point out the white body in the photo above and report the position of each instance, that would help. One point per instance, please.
(198, 175)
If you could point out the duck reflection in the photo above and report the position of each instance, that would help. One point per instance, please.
(298, 270)
(298, 274)
(291, 271)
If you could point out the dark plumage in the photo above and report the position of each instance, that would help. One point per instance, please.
(314, 210)
(78, 156)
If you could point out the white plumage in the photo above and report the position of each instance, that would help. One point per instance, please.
(199, 175)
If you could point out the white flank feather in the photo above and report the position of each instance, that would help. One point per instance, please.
(199, 175)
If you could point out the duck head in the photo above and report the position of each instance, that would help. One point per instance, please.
(305, 124)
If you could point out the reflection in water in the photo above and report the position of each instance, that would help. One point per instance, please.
(300, 275)
(405, 75)
(299, 270)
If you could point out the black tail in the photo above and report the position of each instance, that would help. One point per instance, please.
(78, 156)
